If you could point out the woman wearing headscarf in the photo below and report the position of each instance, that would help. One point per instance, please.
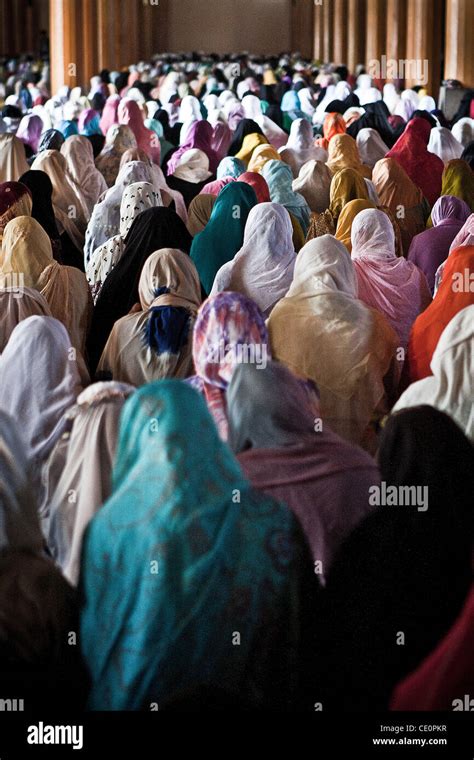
(250, 144)
(118, 140)
(346, 220)
(405, 200)
(300, 147)
(430, 248)
(41, 189)
(347, 185)
(109, 114)
(258, 183)
(189, 113)
(191, 174)
(166, 147)
(130, 115)
(200, 210)
(230, 167)
(136, 198)
(26, 252)
(79, 157)
(444, 145)
(286, 454)
(393, 286)
(446, 675)
(199, 137)
(29, 132)
(105, 219)
(224, 233)
(17, 302)
(343, 154)
(230, 329)
(244, 128)
(333, 125)
(156, 341)
(458, 180)
(291, 109)
(221, 139)
(152, 230)
(81, 463)
(411, 152)
(321, 331)
(449, 388)
(313, 183)
(260, 156)
(263, 268)
(371, 147)
(247, 578)
(12, 158)
(15, 200)
(69, 204)
(88, 123)
(253, 110)
(453, 295)
(381, 589)
(463, 131)
(38, 355)
(214, 187)
(52, 139)
(279, 179)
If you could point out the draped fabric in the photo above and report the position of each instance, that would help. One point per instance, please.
(29, 131)
(333, 125)
(129, 114)
(346, 220)
(260, 156)
(152, 230)
(393, 286)
(224, 233)
(249, 143)
(300, 147)
(109, 117)
(181, 479)
(119, 139)
(313, 183)
(192, 166)
(244, 127)
(253, 110)
(199, 212)
(343, 154)
(230, 167)
(79, 156)
(12, 158)
(401, 195)
(156, 341)
(411, 152)
(214, 188)
(371, 147)
(15, 200)
(279, 179)
(317, 474)
(321, 331)
(458, 180)
(230, 329)
(199, 137)
(81, 463)
(444, 145)
(452, 296)
(17, 305)
(450, 386)
(41, 189)
(258, 183)
(347, 185)
(263, 268)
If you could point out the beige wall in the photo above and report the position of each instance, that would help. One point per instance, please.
(229, 25)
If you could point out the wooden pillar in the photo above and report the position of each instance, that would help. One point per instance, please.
(340, 31)
(424, 44)
(301, 24)
(318, 33)
(355, 33)
(328, 18)
(459, 48)
(375, 30)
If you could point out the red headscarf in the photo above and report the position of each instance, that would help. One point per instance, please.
(259, 184)
(424, 168)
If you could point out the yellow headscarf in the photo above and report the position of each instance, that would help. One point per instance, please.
(26, 250)
(260, 156)
(347, 185)
(249, 144)
(344, 154)
(458, 180)
(346, 217)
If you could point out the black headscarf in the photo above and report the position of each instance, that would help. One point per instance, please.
(153, 229)
(41, 190)
(468, 154)
(376, 117)
(400, 580)
(422, 114)
(52, 139)
(244, 127)
(97, 142)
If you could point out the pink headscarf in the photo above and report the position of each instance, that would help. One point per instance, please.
(109, 114)
(259, 184)
(465, 235)
(392, 286)
(214, 188)
(235, 115)
(221, 139)
(29, 131)
(200, 135)
(129, 114)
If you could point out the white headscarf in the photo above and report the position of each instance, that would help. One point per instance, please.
(253, 110)
(306, 101)
(390, 96)
(313, 183)
(444, 145)
(263, 268)
(300, 147)
(79, 156)
(463, 131)
(371, 146)
(451, 388)
(193, 166)
(17, 304)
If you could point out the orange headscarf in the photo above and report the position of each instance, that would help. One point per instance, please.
(334, 124)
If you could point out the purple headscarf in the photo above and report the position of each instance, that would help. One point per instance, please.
(431, 247)
(200, 136)
(29, 131)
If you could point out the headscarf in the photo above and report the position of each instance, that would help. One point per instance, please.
(263, 268)
(192, 166)
(136, 198)
(465, 235)
(313, 183)
(411, 152)
(430, 248)
(79, 156)
(393, 286)
(152, 230)
(284, 454)
(19, 524)
(244, 127)
(214, 187)
(52, 139)
(463, 131)
(129, 114)
(181, 479)
(221, 139)
(17, 302)
(249, 144)
(321, 331)
(444, 145)
(253, 110)
(333, 125)
(12, 158)
(224, 233)
(68, 128)
(397, 192)
(371, 147)
(156, 341)
(109, 114)
(199, 212)
(260, 156)
(81, 463)
(88, 123)
(377, 587)
(343, 154)
(450, 386)
(41, 189)
(230, 167)
(29, 131)
(300, 147)
(230, 329)
(119, 139)
(15, 200)
(279, 179)
(38, 354)
(458, 180)
(346, 185)
(259, 185)
(199, 137)
(346, 220)
(452, 296)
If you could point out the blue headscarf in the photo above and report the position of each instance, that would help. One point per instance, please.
(68, 128)
(189, 577)
(279, 179)
(230, 167)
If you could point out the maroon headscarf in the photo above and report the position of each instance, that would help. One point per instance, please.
(424, 168)
(259, 184)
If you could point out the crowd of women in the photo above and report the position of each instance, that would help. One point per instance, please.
(236, 311)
